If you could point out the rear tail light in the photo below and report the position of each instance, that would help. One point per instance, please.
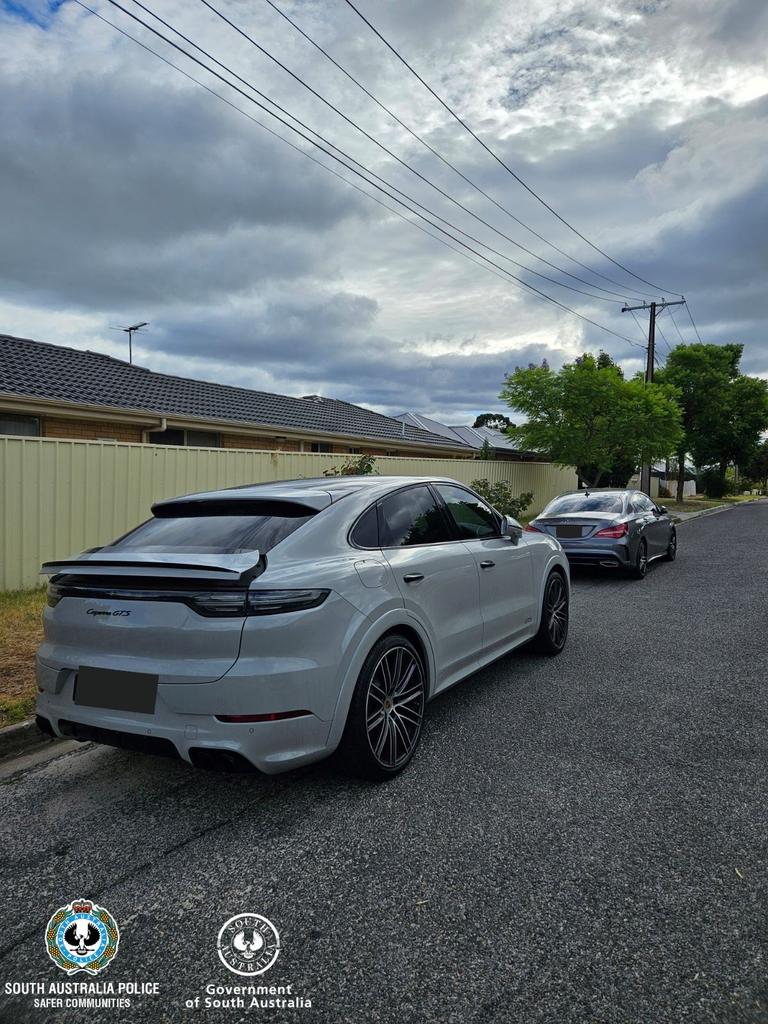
(218, 602)
(532, 529)
(256, 602)
(620, 530)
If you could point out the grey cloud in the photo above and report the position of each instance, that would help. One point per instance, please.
(124, 188)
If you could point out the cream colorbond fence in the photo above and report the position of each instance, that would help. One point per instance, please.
(60, 497)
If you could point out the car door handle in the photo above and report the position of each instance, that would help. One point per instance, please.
(487, 565)
(413, 577)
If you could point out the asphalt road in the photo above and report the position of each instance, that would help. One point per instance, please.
(579, 839)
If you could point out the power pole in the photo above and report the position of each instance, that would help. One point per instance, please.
(645, 469)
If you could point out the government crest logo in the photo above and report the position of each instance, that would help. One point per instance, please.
(82, 937)
(248, 944)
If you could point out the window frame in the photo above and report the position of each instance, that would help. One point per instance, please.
(447, 520)
(24, 417)
(431, 485)
(497, 518)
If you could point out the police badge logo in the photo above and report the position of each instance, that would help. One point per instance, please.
(82, 937)
(248, 944)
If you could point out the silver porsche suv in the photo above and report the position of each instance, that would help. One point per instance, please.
(269, 626)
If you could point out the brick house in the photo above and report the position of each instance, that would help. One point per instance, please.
(52, 391)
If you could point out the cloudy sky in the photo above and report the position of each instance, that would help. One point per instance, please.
(128, 193)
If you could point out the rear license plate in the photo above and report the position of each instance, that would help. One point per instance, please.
(115, 691)
(568, 531)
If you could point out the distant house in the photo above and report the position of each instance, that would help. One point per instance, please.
(502, 446)
(52, 391)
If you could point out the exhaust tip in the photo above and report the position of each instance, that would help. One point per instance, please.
(609, 565)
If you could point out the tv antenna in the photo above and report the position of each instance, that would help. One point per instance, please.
(130, 331)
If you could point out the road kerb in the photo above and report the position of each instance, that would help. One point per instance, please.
(22, 738)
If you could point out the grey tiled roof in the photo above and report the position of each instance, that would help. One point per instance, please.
(40, 370)
(472, 436)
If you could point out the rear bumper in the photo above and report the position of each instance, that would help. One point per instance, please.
(201, 739)
(609, 556)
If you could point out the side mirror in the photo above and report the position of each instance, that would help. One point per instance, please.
(663, 509)
(511, 528)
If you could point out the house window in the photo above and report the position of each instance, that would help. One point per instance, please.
(195, 438)
(24, 426)
(203, 438)
(321, 446)
(166, 437)
(392, 452)
(355, 451)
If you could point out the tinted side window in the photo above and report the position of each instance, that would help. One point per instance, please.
(366, 531)
(412, 517)
(473, 518)
(643, 503)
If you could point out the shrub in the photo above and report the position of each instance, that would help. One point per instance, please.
(502, 497)
(354, 465)
(714, 485)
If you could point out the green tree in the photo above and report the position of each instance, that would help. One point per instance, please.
(486, 452)
(757, 468)
(724, 410)
(497, 420)
(586, 415)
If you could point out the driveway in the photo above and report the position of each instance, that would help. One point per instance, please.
(579, 839)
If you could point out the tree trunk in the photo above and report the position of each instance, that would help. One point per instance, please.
(598, 477)
(680, 476)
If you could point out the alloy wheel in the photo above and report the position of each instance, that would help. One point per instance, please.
(672, 549)
(394, 707)
(642, 559)
(556, 610)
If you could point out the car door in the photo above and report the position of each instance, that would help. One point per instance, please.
(662, 528)
(505, 569)
(437, 577)
(654, 530)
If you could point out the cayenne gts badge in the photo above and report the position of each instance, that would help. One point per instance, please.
(82, 936)
(248, 944)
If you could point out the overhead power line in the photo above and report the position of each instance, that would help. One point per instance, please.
(296, 131)
(384, 148)
(420, 138)
(363, 171)
(293, 146)
(693, 323)
(677, 328)
(493, 154)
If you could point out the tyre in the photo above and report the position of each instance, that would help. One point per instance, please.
(671, 554)
(553, 628)
(387, 711)
(640, 568)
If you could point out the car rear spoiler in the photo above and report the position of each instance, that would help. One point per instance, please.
(239, 569)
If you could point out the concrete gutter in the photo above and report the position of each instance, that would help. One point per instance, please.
(22, 738)
(684, 517)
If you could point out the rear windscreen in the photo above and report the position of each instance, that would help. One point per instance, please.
(196, 531)
(584, 503)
